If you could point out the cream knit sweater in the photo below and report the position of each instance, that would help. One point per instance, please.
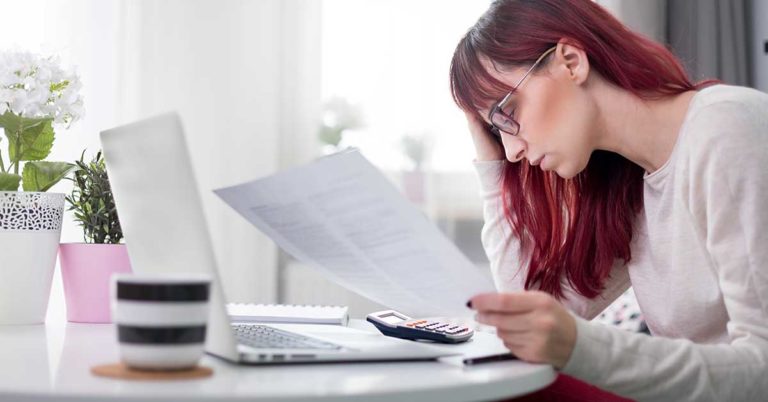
(699, 264)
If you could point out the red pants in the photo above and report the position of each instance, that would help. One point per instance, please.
(568, 389)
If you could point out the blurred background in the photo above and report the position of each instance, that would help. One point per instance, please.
(263, 85)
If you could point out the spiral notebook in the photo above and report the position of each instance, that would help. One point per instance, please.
(288, 313)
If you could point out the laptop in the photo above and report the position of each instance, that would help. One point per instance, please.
(163, 222)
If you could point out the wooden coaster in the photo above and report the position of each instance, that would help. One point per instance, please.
(123, 372)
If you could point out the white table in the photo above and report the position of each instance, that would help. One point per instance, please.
(52, 362)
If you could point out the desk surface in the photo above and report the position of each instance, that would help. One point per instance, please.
(52, 362)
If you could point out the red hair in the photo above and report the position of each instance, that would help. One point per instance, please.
(569, 229)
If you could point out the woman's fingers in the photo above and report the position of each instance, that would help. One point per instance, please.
(532, 324)
(486, 146)
(475, 122)
(507, 322)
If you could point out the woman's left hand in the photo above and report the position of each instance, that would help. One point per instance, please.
(533, 325)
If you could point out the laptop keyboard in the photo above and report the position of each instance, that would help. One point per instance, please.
(263, 337)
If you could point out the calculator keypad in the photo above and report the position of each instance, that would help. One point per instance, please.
(437, 327)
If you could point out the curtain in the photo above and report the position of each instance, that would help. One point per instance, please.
(243, 76)
(759, 45)
(647, 17)
(711, 37)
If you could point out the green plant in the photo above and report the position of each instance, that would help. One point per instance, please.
(93, 203)
(29, 139)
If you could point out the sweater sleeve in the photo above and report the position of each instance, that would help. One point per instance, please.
(725, 190)
(503, 251)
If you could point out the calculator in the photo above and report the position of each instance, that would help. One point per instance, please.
(399, 325)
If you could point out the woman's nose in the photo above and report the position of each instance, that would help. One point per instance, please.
(514, 148)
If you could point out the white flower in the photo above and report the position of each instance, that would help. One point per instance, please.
(19, 102)
(35, 86)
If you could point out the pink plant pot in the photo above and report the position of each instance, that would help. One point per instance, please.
(86, 270)
(413, 186)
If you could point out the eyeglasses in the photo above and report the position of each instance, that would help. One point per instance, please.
(500, 119)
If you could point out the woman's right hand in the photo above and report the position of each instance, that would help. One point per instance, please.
(486, 146)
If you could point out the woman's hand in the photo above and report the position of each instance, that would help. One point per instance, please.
(487, 147)
(533, 325)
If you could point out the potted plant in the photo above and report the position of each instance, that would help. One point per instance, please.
(338, 116)
(35, 94)
(86, 267)
(415, 147)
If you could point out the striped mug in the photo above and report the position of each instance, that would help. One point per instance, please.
(160, 319)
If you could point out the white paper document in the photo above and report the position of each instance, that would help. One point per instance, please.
(340, 215)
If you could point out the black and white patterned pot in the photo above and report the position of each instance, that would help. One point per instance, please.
(30, 230)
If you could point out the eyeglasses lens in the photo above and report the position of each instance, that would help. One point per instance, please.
(504, 123)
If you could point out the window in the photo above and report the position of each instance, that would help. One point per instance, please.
(391, 59)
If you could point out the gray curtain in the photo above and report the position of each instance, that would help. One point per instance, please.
(712, 38)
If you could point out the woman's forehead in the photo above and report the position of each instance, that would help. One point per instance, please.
(495, 85)
(507, 75)
(477, 83)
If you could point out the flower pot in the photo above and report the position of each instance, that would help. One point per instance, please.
(413, 186)
(30, 230)
(86, 270)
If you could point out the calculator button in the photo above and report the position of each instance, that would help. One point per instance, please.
(421, 325)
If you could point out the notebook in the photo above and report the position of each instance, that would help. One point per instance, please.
(288, 313)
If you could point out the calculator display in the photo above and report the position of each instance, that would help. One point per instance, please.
(391, 318)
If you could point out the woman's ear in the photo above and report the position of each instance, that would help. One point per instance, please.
(573, 60)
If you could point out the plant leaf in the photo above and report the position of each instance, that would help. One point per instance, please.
(11, 121)
(36, 138)
(36, 143)
(40, 176)
(92, 202)
(9, 182)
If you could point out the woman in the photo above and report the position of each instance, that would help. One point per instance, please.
(604, 166)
